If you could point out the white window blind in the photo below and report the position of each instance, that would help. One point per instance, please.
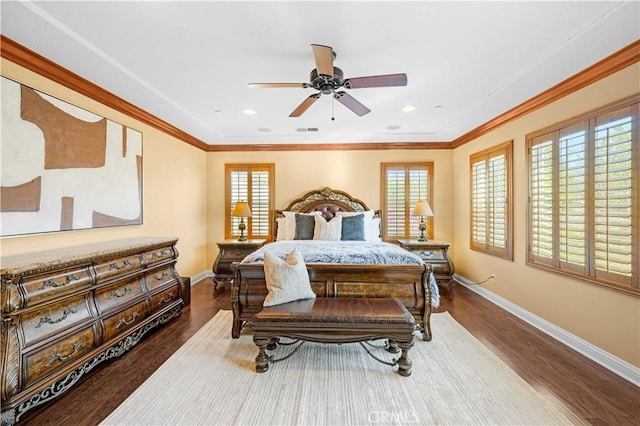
(583, 198)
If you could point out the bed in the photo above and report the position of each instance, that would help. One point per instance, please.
(402, 275)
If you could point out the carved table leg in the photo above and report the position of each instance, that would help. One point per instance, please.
(262, 360)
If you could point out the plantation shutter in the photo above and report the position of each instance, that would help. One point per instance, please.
(541, 200)
(404, 184)
(253, 184)
(572, 209)
(479, 193)
(613, 179)
(490, 208)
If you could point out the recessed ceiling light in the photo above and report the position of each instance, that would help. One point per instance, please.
(249, 111)
(408, 108)
(437, 107)
(217, 111)
(393, 127)
(264, 129)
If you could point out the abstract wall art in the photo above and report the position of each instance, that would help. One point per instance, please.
(63, 167)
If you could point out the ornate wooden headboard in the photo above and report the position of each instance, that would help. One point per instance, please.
(326, 200)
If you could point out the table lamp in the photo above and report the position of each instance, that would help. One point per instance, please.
(422, 209)
(242, 210)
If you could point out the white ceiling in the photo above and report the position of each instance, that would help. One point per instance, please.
(189, 63)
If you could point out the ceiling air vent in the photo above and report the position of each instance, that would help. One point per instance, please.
(307, 129)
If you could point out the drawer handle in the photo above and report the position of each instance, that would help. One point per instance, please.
(162, 299)
(115, 266)
(115, 293)
(427, 253)
(158, 277)
(50, 282)
(123, 321)
(159, 254)
(59, 357)
(47, 319)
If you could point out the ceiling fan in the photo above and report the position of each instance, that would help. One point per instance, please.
(328, 79)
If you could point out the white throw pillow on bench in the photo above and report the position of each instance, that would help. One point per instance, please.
(287, 280)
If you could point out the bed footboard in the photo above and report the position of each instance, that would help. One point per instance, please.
(407, 283)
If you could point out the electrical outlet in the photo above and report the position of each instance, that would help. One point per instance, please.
(493, 276)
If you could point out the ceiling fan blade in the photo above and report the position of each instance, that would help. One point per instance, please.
(324, 59)
(387, 80)
(305, 105)
(350, 102)
(276, 85)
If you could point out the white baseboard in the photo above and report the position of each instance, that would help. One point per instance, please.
(618, 366)
(201, 276)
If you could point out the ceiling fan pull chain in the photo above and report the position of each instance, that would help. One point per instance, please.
(333, 101)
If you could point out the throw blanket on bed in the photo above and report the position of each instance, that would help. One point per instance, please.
(349, 252)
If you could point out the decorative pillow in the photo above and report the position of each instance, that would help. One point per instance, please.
(289, 227)
(328, 231)
(305, 225)
(283, 232)
(371, 224)
(287, 280)
(353, 228)
(372, 232)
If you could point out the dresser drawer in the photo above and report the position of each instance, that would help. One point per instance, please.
(159, 300)
(159, 277)
(117, 294)
(124, 320)
(53, 319)
(158, 255)
(58, 354)
(118, 267)
(44, 286)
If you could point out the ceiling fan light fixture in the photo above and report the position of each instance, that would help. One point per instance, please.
(408, 108)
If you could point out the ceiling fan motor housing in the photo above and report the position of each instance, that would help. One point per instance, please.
(324, 83)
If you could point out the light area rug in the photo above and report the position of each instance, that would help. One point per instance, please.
(211, 380)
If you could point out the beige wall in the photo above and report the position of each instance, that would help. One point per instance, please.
(356, 172)
(603, 317)
(174, 185)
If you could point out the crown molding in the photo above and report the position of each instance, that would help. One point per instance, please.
(371, 146)
(32, 61)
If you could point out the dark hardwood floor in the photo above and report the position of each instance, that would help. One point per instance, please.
(586, 389)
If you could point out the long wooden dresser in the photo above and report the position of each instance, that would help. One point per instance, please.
(66, 311)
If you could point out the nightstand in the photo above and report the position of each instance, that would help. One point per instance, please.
(230, 251)
(435, 254)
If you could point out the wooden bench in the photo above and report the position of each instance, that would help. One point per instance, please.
(336, 320)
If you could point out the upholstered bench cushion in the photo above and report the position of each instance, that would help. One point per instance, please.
(322, 312)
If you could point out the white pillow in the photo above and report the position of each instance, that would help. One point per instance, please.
(328, 231)
(286, 280)
(287, 225)
(371, 224)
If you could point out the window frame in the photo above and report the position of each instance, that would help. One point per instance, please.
(231, 232)
(411, 230)
(553, 263)
(506, 149)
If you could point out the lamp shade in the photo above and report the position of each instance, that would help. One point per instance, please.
(241, 209)
(422, 208)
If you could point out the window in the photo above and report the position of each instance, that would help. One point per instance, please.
(491, 211)
(252, 183)
(584, 197)
(403, 185)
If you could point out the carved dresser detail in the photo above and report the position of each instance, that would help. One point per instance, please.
(66, 311)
